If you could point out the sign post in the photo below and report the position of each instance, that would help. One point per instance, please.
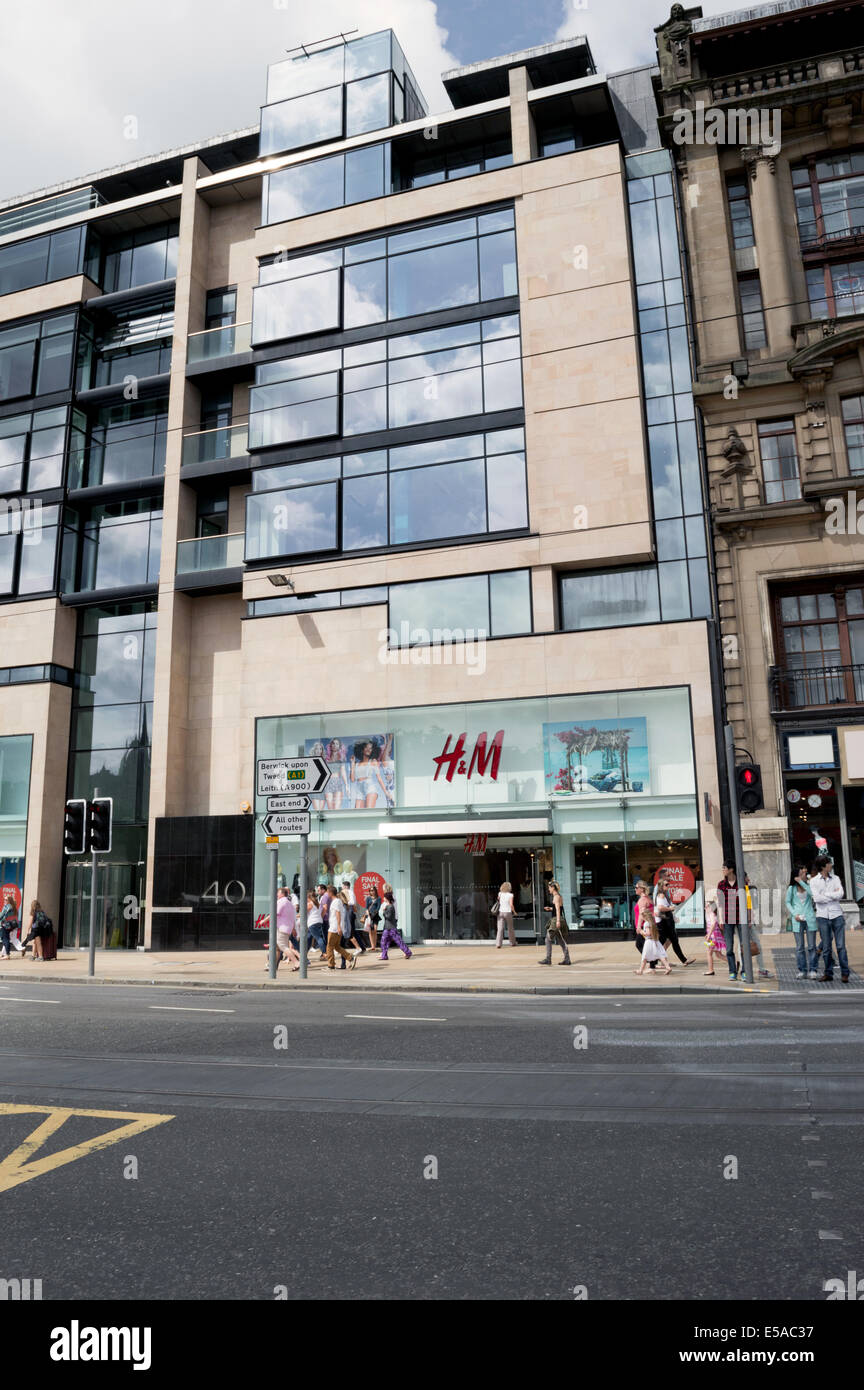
(273, 846)
(741, 892)
(287, 784)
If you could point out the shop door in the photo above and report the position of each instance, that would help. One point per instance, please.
(457, 885)
(119, 888)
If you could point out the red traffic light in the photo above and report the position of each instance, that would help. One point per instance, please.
(748, 777)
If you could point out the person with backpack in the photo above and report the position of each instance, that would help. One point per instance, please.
(41, 933)
(9, 924)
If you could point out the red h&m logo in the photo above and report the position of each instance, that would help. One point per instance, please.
(481, 758)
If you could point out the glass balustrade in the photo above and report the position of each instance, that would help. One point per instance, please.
(210, 553)
(211, 446)
(219, 342)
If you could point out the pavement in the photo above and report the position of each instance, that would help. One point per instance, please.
(604, 967)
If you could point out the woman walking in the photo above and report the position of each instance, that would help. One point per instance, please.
(653, 950)
(504, 910)
(556, 925)
(801, 919)
(666, 921)
(9, 924)
(715, 941)
(41, 933)
(336, 921)
(390, 936)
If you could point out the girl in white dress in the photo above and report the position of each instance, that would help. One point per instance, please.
(653, 948)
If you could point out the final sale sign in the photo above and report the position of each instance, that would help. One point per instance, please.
(681, 880)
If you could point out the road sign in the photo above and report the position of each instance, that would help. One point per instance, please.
(287, 803)
(271, 839)
(287, 824)
(276, 775)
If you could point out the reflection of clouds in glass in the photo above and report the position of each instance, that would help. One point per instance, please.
(368, 104)
(122, 553)
(451, 394)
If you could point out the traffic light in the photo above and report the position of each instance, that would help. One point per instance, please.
(748, 779)
(75, 827)
(100, 824)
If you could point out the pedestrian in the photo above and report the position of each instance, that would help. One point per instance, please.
(715, 941)
(557, 925)
(335, 918)
(373, 917)
(643, 900)
(827, 891)
(357, 936)
(665, 918)
(349, 925)
(9, 925)
(653, 948)
(755, 943)
(390, 935)
(730, 902)
(504, 911)
(286, 924)
(801, 919)
(41, 933)
(316, 935)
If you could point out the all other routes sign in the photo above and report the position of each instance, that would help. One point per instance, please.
(277, 775)
(287, 825)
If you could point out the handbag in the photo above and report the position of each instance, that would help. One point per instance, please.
(494, 909)
(754, 949)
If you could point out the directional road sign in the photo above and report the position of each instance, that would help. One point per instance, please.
(287, 825)
(276, 775)
(288, 803)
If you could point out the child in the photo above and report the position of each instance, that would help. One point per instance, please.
(715, 941)
(653, 948)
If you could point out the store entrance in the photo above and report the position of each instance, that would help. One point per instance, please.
(457, 883)
(119, 891)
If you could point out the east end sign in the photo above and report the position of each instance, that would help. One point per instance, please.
(482, 759)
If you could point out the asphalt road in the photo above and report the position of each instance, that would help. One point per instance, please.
(428, 1147)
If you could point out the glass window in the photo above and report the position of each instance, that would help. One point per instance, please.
(510, 600)
(370, 53)
(294, 308)
(39, 554)
(305, 120)
(738, 193)
(429, 610)
(439, 278)
(121, 547)
(17, 360)
(440, 500)
(367, 104)
(364, 512)
(8, 548)
(752, 316)
(315, 415)
(852, 409)
(306, 73)
(297, 521)
(367, 173)
(24, 263)
(365, 293)
(779, 461)
(498, 266)
(614, 598)
(304, 189)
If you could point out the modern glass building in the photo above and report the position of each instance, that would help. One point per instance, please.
(364, 432)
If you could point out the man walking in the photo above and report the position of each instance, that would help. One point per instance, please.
(731, 909)
(827, 892)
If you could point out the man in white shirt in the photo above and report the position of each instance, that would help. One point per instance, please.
(827, 892)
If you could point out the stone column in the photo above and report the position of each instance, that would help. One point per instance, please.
(523, 133)
(775, 274)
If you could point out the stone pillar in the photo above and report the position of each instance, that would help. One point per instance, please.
(523, 133)
(775, 273)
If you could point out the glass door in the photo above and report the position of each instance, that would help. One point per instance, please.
(118, 889)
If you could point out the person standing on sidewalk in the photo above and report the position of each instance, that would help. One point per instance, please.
(504, 911)
(390, 935)
(652, 949)
(755, 942)
(827, 893)
(666, 920)
(642, 901)
(315, 924)
(801, 919)
(9, 924)
(730, 906)
(286, 924)
(557, 925)
(335, 919)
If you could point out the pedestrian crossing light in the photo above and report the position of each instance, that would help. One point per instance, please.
(75, 827)
(748, 778)
(100, 824)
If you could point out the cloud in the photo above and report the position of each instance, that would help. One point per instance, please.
(72, 74)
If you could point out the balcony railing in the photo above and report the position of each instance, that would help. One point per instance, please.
(49, 210)
(210, 553)
(212, 446)
(815, 686)
(219, 342)
(846, 238)
(780, 77)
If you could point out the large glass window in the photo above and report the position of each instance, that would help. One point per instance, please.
(738, 194)
(136, 342)
(120, 443)
(440, 266)
(836, 290)
(28, 549)
(41, 259)
(820, 644)
(121, 546)
(333, 182)
(142, 257)
(439, 374)
(31, 450)
(779, 452)
(490, 605)
(416, 167)
(829, 197)
(752, 313)
(36, 358)
(472, 485)
(305, 120)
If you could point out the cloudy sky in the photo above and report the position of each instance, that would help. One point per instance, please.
(72, 72)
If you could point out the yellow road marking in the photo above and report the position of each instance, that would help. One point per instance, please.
(20, 1166)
